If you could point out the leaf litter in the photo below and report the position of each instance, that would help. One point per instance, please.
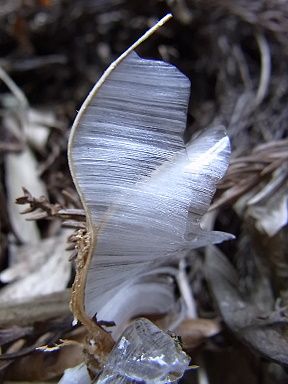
(237, 64)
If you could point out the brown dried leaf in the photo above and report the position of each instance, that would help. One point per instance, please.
(48, 365)
(194, 332)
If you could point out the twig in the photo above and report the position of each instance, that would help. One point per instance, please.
(36, 309)
(185, 289)
(19, 95)
(43, 209)
(265, 67)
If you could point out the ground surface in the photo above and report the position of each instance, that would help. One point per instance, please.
(235, 54)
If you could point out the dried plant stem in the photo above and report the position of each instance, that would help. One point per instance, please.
(103, 341)
(19, 95)
(185, 288)
(36, 309)
(265, 67)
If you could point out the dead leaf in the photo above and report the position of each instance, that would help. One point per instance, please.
(270, 205)
(48, 365)
(194, 332)
(51, 275)
(264, 331)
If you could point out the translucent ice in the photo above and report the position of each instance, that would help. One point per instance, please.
(146, 355)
